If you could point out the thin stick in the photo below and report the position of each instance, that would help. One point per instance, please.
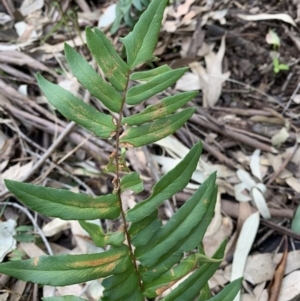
(291, 99)
(39, 230)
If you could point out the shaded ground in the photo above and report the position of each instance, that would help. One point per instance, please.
(256, 109)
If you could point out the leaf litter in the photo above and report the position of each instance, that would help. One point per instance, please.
(245, 113)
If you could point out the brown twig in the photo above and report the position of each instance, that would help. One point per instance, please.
(275, 286)
(232, 209)
(223, 130)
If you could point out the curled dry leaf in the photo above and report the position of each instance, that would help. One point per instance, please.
(57, 225)
(212, 78)
(254, 164)
(15, 172)
(255, 189)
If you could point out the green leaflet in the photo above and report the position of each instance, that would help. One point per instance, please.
(64, 298)
(114, 68)
(111, 166)
(157, 84)
(150, 74)
(75, 109)
(63, 270)
(99, 238)
(163, 254)
(92, 81)
(164, 108)
(229, 292)
(124, 11)
(180, 225)
(296, 221)
(162, 283)
(140, 4)
(133, 182)
(156, 130)
(205, 293)
(140, 43)
(190, 242)
(189, 289)
(123, 287)
(149, 274)
(65, 204)
(143, 230)
(168, 185)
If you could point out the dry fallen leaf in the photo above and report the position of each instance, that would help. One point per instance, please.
(15, 172)
(183, 9)
(212, 78)
(30, 6)
(7, 232)
(293, 183)
(275, 285)
(108, 17)
(259, 17)
(243, 246)
(57, 225)
(188, 82)
(261, 267)
(255, 165)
